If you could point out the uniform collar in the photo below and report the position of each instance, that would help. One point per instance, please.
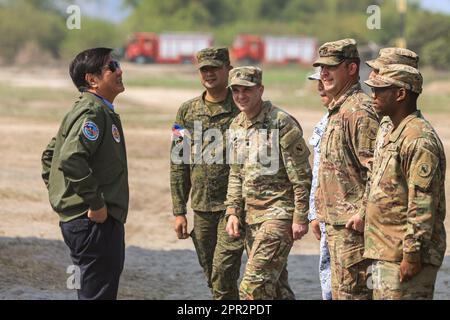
(393, 137)
(336, 104)
(109, 104)
(225, 107)
(259, 118)
(94, 97)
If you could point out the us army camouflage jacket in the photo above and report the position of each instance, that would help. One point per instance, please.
(270, 191)
(406, 204)
(207, 183)
(346, 149)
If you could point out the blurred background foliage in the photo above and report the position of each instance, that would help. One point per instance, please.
(35, 30)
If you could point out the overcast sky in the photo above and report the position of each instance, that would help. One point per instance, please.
(111, 9)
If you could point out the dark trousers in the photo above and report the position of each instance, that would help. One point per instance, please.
(99, 251)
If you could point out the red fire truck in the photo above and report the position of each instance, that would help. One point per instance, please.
(248, 49)
(146, 47)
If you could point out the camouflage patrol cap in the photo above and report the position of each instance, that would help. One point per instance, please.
(215, 57)
(394, 56)
(333, 53)
(248, 76)
(398, 75)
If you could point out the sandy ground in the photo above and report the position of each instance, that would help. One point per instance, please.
(33, 257)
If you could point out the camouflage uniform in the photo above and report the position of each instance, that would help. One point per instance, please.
(218, 254)
(385, 57)
(406, 204)
(346, 157)
(273, 198)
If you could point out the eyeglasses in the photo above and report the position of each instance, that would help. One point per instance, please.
(113, 65)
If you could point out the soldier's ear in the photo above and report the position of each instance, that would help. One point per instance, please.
(401, 94)
(91, 80)
(352, 68)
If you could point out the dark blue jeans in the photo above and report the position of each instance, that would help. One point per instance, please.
(99, 251)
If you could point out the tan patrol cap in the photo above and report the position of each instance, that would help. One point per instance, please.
(333, 53)
(248, 76)
(398, 75)
(394, 56)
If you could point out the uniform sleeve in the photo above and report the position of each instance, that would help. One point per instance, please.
(81, 143)
(46, 160)
(421, 165)
(180, 177)
(234, 202)
(363, 134)
(295, 155)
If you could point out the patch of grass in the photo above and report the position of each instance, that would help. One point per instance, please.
(162, 82)
(433, 103)
(35, 103)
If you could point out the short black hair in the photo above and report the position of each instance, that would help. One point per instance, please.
(88, 61)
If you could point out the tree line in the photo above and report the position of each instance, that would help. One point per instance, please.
(43, 22)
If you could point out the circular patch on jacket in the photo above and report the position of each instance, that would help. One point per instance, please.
(90, 130)
(115, 133)
(424, 170)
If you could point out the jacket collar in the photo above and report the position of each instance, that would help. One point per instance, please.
(225, 107)
(259, 118)
(393, 137)
(336, 104)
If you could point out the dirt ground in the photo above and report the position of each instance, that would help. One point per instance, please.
(33, 257)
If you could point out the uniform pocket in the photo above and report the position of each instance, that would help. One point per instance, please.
(76, 233)
(351, 248)
(333, 147)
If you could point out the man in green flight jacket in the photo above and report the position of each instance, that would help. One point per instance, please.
(85, 171)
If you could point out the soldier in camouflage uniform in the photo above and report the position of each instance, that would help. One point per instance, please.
(404, 231)
(390, 56)
(218, 254)
(274, 194)
(346, 159)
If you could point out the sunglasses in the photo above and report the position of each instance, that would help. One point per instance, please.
(113, 65)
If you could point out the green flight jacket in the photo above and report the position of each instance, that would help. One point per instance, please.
(85, 164)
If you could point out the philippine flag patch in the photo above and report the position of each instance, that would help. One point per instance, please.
(90, 130)
(179, 132)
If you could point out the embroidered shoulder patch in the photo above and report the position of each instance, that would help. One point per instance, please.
(115, 133)
(90, 130)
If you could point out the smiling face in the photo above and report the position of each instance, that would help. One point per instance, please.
(214, 77)
(248, 99)
(108, 84)
(334, 78)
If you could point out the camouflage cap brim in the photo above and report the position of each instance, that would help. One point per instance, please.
(377, 83)
(374, 64)
(210, 63)
(328, 61)
(240, 82)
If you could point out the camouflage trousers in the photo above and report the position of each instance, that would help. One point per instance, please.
(266, 277)
(387, 285)
(218, 254)
(349, 270)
